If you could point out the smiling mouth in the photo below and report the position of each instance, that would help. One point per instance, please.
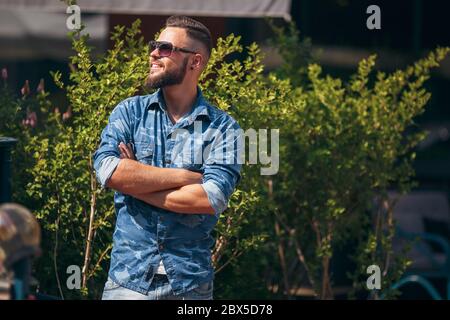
(156, 66)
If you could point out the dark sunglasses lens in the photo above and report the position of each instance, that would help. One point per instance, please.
(165, 49)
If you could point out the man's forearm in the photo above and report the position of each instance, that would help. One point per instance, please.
(188, 199)
(133, 178)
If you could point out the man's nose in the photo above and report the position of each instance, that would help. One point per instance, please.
(155, 53)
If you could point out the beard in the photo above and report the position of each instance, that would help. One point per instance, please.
(167, 77)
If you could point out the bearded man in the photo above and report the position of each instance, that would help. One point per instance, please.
(172, 159)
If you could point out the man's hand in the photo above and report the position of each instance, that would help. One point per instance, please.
(126, 152)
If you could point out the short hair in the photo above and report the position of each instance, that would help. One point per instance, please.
(194, 29)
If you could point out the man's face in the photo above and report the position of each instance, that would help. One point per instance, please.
(166, 71)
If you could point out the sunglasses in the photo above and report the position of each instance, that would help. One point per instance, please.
(166, 48)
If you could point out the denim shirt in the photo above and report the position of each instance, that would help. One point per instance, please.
(146, 235)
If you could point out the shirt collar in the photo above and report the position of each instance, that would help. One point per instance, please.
(200, 107)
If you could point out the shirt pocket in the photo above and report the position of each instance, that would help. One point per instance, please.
(145, 153)
(187, 161)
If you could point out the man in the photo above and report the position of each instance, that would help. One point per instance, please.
(168, 200)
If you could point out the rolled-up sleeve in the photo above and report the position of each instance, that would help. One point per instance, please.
(107, 157)
(222, 169)
(106, 168)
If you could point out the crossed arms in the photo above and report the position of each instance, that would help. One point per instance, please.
(173, 189)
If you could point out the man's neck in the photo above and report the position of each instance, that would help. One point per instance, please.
(179, 100)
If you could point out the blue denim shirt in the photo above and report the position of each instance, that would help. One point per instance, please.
(144, 234)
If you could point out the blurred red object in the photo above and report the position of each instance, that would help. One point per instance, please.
(68, 114)
(25, 89)
(31, 120)
(41, 86)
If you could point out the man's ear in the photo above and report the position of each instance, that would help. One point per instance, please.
(197, 61)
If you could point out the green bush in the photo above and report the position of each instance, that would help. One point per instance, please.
(342, 145)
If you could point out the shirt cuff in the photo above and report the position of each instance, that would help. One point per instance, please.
(215, 197)
(107, 167)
